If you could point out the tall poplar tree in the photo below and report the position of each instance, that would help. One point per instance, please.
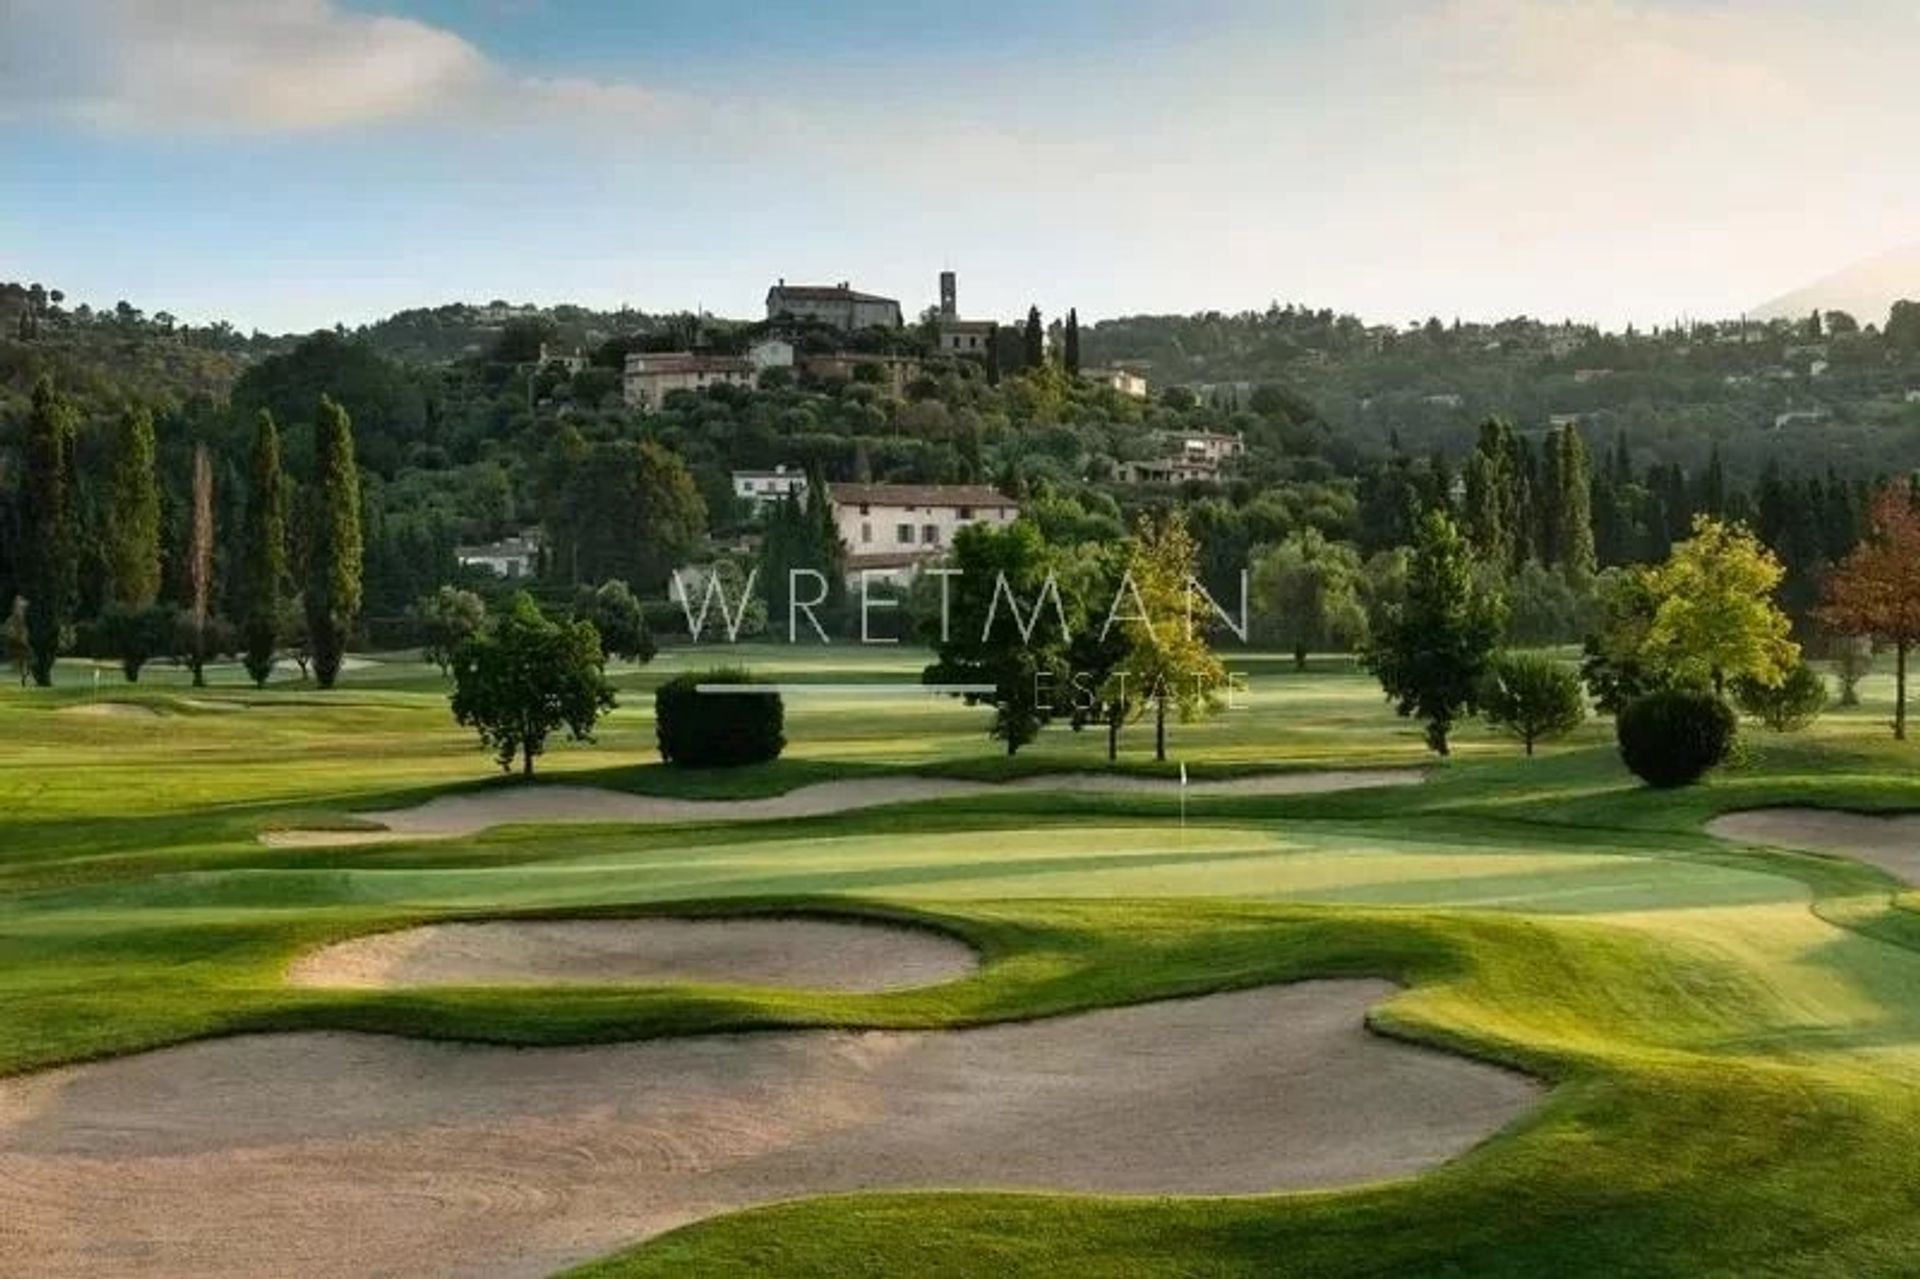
(263, 553)
(1490, 507)
(196, 620)
(51, 553)
(334, 550)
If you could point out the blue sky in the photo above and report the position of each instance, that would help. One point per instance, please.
(286, 163)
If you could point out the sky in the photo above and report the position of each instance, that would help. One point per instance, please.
(286, 164)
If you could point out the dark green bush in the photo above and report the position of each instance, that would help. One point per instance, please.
(717, 730)
(1791, 706)
(1672, 737)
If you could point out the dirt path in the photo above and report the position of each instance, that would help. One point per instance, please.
(453, 816)
(810, 953)
(1891, 841)
(347, 1155)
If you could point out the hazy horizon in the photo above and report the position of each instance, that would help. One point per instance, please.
(290, 164)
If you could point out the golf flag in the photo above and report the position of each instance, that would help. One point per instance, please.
(1183, 772)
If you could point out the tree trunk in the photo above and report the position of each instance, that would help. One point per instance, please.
(1113, 739)
(1300, 657)
(526, 760)
(1900, 691)
(1160, 731)
(1529, 742)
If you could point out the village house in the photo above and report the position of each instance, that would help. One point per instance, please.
(892, 530)
(838, 305)
(953, 335)
(1123, 380)
(891, 371)
(512, 558)
(652, 376)
(1184, 456)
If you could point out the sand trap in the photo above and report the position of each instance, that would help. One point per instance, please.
(814, 953)
(1890, 841)
(350, 1155)
(452, 816)
(111, 710)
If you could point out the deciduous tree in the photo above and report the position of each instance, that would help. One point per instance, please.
(1714, 617)
(527, 677)
(1532, 697)
(1169, 664)
(1875, 591)
(1307, 591)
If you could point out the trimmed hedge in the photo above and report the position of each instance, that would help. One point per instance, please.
(717, 730)
(1671, 738)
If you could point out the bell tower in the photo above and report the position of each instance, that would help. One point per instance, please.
(949, 296)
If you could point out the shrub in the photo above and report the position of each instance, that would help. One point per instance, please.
(1788, 708)
(1531, 697)
(717, 730)
(1672, 737)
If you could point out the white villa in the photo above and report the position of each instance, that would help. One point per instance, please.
(764, 488)
(892, 530)
(1123, 380)
(512, 558)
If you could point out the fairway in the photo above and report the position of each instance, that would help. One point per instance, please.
(1632, 1037)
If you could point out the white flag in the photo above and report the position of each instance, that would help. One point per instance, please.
(1183, 772)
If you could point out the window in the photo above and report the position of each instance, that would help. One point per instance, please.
(866, 532)
(930, 534)
(903, 534)
(966, 512)
(864, 510)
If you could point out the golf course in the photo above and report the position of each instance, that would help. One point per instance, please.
(303, 987)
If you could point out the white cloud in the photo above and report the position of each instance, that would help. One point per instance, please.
(263, 66)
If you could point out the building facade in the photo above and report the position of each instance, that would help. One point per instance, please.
(651, 377)
(512, 558)
(764, 488)
(1125, 381)
(892, 530)
(839, 305)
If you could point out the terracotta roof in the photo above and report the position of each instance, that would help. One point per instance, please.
(687, 362)
(822, 293)
(978, 495)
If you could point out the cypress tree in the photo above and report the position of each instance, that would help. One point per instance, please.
(133, 517)
(51, 553)
(1573, 504)
(198, 614)
(333, 578)
(263, 553)
(1073, 342)
(1490, 492)
(1036, 340)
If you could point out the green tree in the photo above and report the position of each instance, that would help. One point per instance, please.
(132, 534)
(1492, 506)
(1432, 652)
(1572, 510)
(449, 617)
(51, 552)
(1169, 664)
(1714, 617)
(195, 619)
(616, 614)
(263, 553)
(1034, 345)
(1532, 697)
(1072, 342)
(1005, 626)
(1789, 706)
(634, 513)
(525, 678)
(334, 547)
(1097, 654)
(1307, 593)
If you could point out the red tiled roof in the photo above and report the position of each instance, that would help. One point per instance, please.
(978, 495)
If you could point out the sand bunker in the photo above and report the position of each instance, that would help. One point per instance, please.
(111, 710)
(1891, 841)
(814, 953)
(452, 816)
(349, 1155)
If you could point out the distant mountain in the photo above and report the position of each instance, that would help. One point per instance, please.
(1866, 290)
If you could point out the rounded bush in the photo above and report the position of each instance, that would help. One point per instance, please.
(1671, 738)
(1789, 706)
(717, 730)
